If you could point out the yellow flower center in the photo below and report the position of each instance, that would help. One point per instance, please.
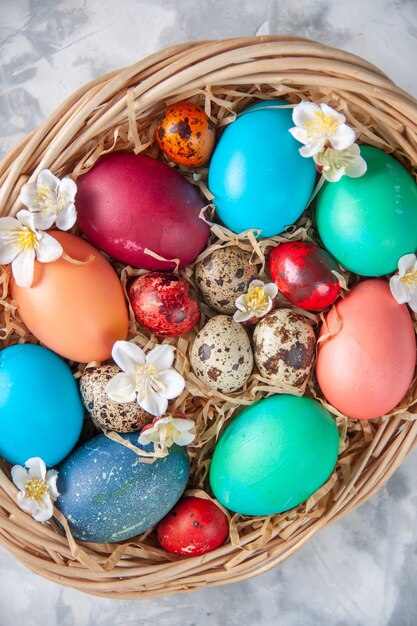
(256, 301)
(147, 377)
(26, 239)
(321, 125)
(51, 200)
(410, 278)
(35, 489)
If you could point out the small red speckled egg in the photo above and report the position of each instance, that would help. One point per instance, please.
(164, 303)
(303, 274)
(185, 134)
(193, 527)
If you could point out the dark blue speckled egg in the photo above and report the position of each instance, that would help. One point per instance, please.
(109, 496)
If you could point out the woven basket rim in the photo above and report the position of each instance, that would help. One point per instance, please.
(97, 108)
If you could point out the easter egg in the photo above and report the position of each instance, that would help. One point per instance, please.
(164, 303)
(257, 175)
(41, 413)
(284, 347)
(108, 495)
(130, 205)
(194, 526)
(77, 308)
(367, 356)
(274, 455)
(221, 356)
(186, 134)
(303, 274)
(122, 417)
(223, 276)
(368, 223)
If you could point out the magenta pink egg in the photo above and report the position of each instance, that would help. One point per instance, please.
(128, 203)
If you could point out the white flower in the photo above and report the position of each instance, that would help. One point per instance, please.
(404, 284)
(257, 302)
(37, 488)
(51, 200)
(165, 431)
(317, 125)
(148, 379)
(21, 243)
(333, 164)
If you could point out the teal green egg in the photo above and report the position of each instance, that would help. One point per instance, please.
(368, 223)
(274, 455)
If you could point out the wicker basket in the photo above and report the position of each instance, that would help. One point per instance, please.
(118, 111)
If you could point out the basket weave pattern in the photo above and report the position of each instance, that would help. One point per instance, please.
(118, 111)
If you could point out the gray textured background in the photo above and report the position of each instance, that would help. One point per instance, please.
(362, 570)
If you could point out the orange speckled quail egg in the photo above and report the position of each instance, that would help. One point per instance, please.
(223, 276)
(221, 356)
(284, 345)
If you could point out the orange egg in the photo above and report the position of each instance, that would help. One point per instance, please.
(76, 310)
(366, 363)
(185, 134)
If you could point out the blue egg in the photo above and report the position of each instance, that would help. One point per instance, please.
(109, 496)
(257, 175)
(41, 412)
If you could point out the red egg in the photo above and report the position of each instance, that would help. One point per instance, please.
(194, 526)
(128, 203)
(164, 303)
(303, 274)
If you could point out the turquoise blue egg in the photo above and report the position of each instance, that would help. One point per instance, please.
(41, 412)
(274, 455)
(257, 175)
(109, 496)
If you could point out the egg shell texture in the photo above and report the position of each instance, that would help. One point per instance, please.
(221, 356)
(77, 310)
(109, 496)
(122, 417)
(274, 455)
(366, 366)
(128, 203)
(194, 526)
(186, 134)
(223, 276)
(41, 413)
(368, 223)
(164, 303)
(304, 275)
(257, 175)
(284, 347)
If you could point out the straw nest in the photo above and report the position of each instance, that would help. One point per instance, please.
(118, 112)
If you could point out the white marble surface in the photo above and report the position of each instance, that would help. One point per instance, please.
(362, 571)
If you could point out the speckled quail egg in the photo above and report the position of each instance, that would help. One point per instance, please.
(105, 413)
(223, 276)
(284, 346)
(221, 356)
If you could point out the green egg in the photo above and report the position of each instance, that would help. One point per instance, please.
(368, 223)
(274, 455)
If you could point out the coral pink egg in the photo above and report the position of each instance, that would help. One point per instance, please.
(303, 274)
(367, 358)
(194, 526)
(164, 303)
(76, 310)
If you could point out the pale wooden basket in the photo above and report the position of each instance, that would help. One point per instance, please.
(118, 111)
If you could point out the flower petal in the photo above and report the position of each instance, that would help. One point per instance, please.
(29, 195)
(257, 283)
(146, 437)
(49, 249)
(19, 476)
(26, 504)
(68, 187)
(310, 149)
(161, 357)
(51, 478)
(26, 218)
(343, 138)
(242, 316)
(121, 388)
(184, 438)
(128, 356)
(413, 302)
(45, 177)
(173, 384)
(9, 225)
(406, 263)
(271, 290)
(399, 290)
(36, 467)
(8, 252)
(22, 267)
(333, 174)
(44, 512)
(153, 403)
(357, 168)
(240, 303)
(305, 112)
(329, 111)
(67, 217)
(183, 425)
(299, 134)
(43, 220)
